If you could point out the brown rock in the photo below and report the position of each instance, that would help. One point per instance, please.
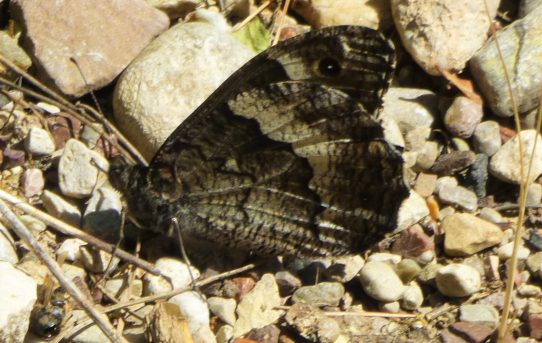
(412, 242)
(535, 324)
(103, 36)
(475, 333)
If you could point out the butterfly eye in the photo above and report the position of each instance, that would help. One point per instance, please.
(329, 67)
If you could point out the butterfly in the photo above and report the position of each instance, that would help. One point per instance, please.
(286, 157)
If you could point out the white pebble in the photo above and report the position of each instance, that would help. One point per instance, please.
(457, 280)
(380, 281)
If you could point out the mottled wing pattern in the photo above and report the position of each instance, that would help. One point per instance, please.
(287, 156)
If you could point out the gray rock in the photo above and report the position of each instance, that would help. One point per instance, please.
(459, 196)
(223, 308)
(527, 6)
(427, 156)
(17, 296)
(287, 282)
(380, 282)
(487, 137)
(410, 107)
(81, 170)
(479, 314)
(39, 142)
(491, 215)
(463, 116)
(204, 57)
(324, 293)
(505, 252)
(522, 53)
(457, 280)
(103, 216)
(102, 52)
(445, 41)
(534, 263)
(257, 308)
(345, 268)
(97, 261)
(505, 164)
(466, 234)
(60, 208)
(477, 175)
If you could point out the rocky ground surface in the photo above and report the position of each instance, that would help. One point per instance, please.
(440, 277)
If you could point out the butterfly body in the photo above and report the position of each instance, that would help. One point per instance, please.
(286, 157)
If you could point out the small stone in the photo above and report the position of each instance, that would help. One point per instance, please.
(428, 274)
(311, 323)
(344, 268)
(457, 280)
(466, 234)
(459, 196)
(119, 285)
(60, 208)
(102, 216)
(91, 134)
(81, 170)
(412, 297)
(391, 307)
(412, 242)
(321, 294)
(412, 210)
(427, 156)
(416, 138)
(194, 308)
(61, 129)
(505, 252)
(407, 270)
(535, 240)
(491, 215)
(477, 175)
(534, 263)
(479, 314)
(223, 308)
(10, 49)
(445, 181)
(12, 157)
(452, 162)
(534, 194)
(73, 272)
(491, 268)
(267, 334)
(39, 142)
(410, 107)
(97, 261)
(177, 273)
(487, 137)
(463, 116)
(224, 334)
(33, 182)
(384, 257)
(17, 296)
(505, 164)
(425, 184)
(380, 282)
(69, 249)
(528, 291)
(257, 308)
(473, 332)
(287, 282)
(392, 132)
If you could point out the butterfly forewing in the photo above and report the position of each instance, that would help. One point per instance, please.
(288, 155)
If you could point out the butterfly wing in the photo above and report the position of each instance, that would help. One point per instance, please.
(287, 156)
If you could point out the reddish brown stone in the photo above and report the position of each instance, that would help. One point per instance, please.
(412, 242)
(449, 337)
(474, 333)
(535, 324)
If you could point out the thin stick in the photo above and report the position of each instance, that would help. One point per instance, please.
(281, 22)
(251, 16)
(99, 317)
(74, 232)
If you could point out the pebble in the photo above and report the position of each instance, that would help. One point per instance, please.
(412, 210)
(491, 215)
(90, 135)
(505, 252)
(10, 49)
(311, 323)
(17, 296)
(407, 270)
(459, 196)
(392, 132)
(445, 41)
(69, 249)
(491, 268)
(32, 182)
(445, 181)
(477, 175)
(287, 282)
(535, 326)
(479, 314)
(324, 13)
(39, 142)
(534, 194)
(457, 280)
(526, 290)
(321, 294)
(97, 261)
(7, 246)
(487, 137)
(463, 116)
(102, 52)
(194, 308)
(416, 138)
(224, 334)
(72, 272)
(205, 57)
(80, 170)
(391, 307)
(410, 107)
(412, 242)
(466, 234)
(384, 257)
(527, 6)
(177, 273)
(535, 240)
(257, 308)
(344, 268)
(12, 157)
(425, 184)
(223, 308)
(103, 215)
(412, 297)
(60, 208)
(427, 156)
(472, 332)
(380, 282)
(119, 286)
(521, 53)
(504, 165)
(452, 162)
(534, 263)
